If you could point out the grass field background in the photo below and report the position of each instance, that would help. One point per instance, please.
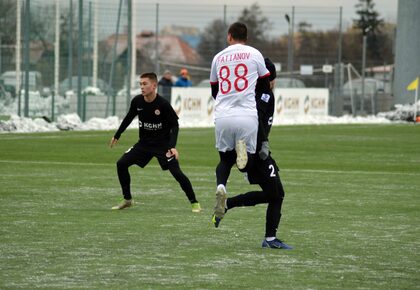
(352, 212)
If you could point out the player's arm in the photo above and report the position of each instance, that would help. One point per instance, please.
(172, 120)
(262, 137)
(173, 137)
(124, 124)
(263, 84)
(214, 89)
(214, 82)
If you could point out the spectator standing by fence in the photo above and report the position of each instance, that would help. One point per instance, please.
(184, 79)
(165, 85)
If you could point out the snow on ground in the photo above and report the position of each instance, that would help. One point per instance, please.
(65, 122)
(73, 122)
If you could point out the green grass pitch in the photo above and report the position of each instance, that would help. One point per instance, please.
(352, 212)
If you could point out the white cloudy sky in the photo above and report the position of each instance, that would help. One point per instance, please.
(386, 8)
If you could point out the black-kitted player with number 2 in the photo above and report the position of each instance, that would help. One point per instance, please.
(263, 171)
(233, 78)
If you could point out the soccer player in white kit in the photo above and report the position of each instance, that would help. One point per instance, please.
(233, 77)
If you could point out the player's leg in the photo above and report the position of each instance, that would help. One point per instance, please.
(227, 159)
(263, 173)
(252, 198)
(236, 139)
(184, 182)
(229, 133)
(225, 144)
(126, 160)
(134, 155)
(273, 213)
(224, 203)
(275, 191)
(245, 141)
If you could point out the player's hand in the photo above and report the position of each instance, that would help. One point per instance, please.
(113, 142)
(172, 152)
(264, 151)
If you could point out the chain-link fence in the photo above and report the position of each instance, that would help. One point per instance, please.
(81, 56)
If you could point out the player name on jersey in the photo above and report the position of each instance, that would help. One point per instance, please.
(233, 57)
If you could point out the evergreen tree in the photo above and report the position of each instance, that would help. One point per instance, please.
(370, 24)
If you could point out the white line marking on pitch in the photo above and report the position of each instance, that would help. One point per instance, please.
(194, 166)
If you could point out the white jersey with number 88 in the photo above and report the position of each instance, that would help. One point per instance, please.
(236, 69)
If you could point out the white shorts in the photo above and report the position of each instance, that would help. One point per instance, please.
(229, 130)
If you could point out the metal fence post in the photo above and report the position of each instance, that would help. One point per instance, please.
(338, 85)
(95, 45)
(129, 51)
(89, 43)
(26, 56)
(157, 40)
(362, 98)
(114, 55)
(70, 47)
(56, 57)
(18, 53)
(133, 44)
(80, 63)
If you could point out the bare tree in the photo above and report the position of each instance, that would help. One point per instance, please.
(258, 25)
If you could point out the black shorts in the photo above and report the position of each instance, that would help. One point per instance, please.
(263, 171)
(141, 156)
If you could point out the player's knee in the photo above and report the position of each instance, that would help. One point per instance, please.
(121, 163)
(228, 157)
(276, 193)
(176, 172)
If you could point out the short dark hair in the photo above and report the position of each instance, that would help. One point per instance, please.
(150, 75)
(238, 31)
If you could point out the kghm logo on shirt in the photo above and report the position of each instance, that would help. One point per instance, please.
(152, 126)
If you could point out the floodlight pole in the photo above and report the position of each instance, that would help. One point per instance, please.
(290, 22)
(365, 31)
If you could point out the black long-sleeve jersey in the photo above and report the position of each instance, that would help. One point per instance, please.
(265, 102)
(265, 108)
(158, 122)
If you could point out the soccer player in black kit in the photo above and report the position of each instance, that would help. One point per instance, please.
(264, 172)
(158, 133)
